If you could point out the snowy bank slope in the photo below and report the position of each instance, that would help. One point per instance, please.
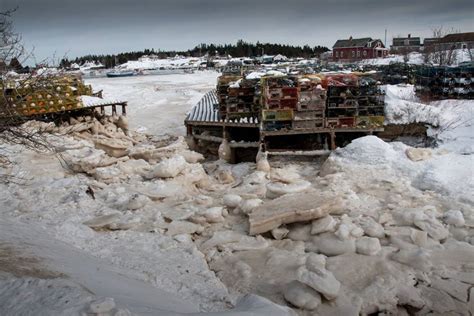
(442, 172)
(451, 121)
(84, 279)
(55, 279)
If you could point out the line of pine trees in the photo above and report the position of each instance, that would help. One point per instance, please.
(240, 49)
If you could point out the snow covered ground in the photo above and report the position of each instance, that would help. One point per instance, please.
(177, 62)
(415, 58)
(387, 227)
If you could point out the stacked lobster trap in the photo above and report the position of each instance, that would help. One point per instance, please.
(354, 102)
(303, 102)
(222, 91)
(242, 100)
(445, 82)
(279, 100)
(36, 96)
(310, 111)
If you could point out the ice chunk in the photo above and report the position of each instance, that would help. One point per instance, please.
(183, 227)
(416, 258)
(330, 245)
(322, 225)
(432, 226)
(247, 206)
(368, 246)
(419, 238)
(301, 295)
(320, 280)
(136, 201)
(231, 200)
(276, 189)
(300, 232)
(169, 168)
(213, 214)
(371, 227)
(102, 221)
(454, 217)
(418, 154)
(220, 238)
(191, 156)
(315, 261)
(279, 233)
(298, 207)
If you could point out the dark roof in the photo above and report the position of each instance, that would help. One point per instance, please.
(405, 38)
(458, 37)
(355, 42)
(400, 41)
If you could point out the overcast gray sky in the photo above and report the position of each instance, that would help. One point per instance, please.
(79, 27)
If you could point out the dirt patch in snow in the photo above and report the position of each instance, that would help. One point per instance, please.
(21, 264)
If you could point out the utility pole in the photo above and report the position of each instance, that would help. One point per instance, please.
(385, 41)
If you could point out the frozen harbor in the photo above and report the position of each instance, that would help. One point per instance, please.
(158, 104)
(379, 227)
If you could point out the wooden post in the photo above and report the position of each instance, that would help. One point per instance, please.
(124, 109)
(114, 109)
(225, 133)
(232, 155)
(333, 140)
(189, 130)
(102, 110)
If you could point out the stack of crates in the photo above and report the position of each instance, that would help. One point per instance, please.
(342, 104)
(354, 102)
(446, 82)
(371, 101)
(241, 97)
(222, 91)
(311, 105)
(279, 100)
(39, 96)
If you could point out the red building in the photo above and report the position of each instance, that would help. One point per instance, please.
(354, 49)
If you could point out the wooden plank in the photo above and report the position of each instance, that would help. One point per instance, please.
(285, 152)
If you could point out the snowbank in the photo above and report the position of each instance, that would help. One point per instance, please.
(177, 62)
(451, 121)
(417, 58)
(442, 173)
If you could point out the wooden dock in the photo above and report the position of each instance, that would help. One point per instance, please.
(205, 126)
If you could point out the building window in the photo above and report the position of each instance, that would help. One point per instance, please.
(358, 53)
(342, 54)
(353, 54)
(364, 53)
(337, 54)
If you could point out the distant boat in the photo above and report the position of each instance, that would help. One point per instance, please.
(120, 73)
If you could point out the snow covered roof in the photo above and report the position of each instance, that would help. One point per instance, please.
(280, 57)
(90, 101)
(353, 42)
(204, 111)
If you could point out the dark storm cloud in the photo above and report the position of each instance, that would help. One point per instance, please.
(92, 26)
